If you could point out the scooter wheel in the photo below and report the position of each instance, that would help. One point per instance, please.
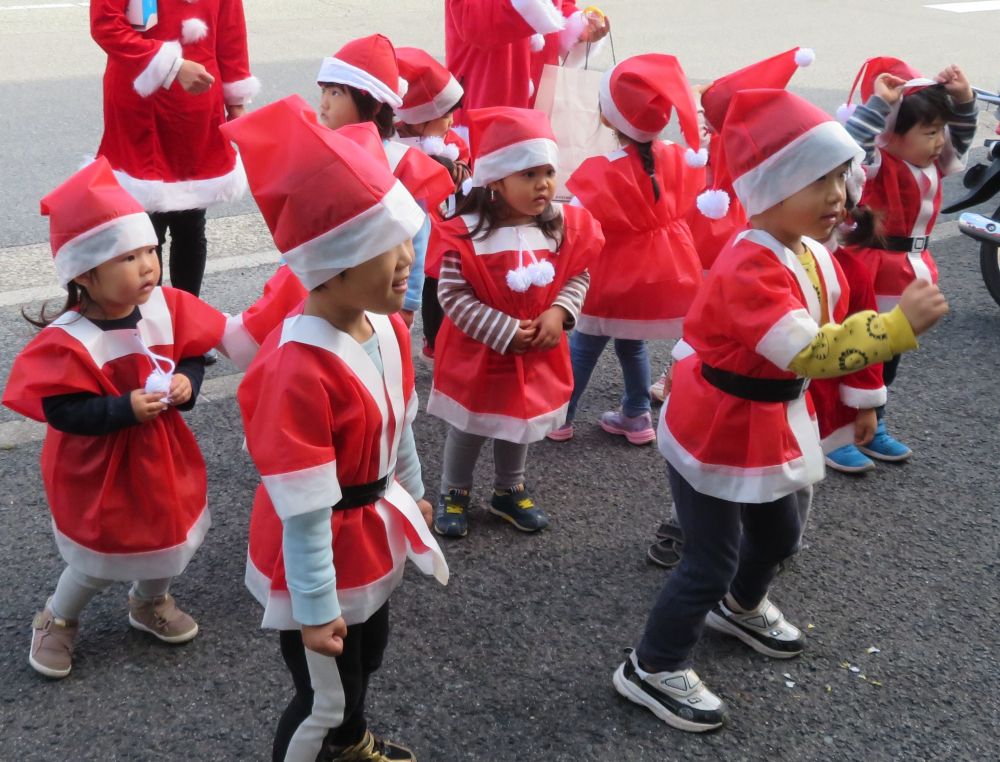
(989, 264)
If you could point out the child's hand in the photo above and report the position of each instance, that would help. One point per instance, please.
(426, 510)
(194, 78)
(147, 406)
(407, 316)
(235, 112)
(598, 26)
(956, 83)
(549, 326)
(326, 639)
(923, 304)
(521, 342)
(180, 389)
(865, 423)
(889, 87)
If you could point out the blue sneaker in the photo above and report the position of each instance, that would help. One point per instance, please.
(516, 506)
(849, 460)
(885, 447)
(450, 519)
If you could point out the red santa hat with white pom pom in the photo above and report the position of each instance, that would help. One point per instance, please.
(871, 70)
(368, 64)
(638, 96)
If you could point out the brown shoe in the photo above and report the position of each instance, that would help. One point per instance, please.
(52, 642)
(372, 749)
(161, 617)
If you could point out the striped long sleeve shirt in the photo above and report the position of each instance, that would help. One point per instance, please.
(487, 324)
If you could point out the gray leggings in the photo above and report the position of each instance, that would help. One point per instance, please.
(76, 589)
(461, 451)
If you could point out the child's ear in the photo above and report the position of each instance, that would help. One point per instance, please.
(84, 280)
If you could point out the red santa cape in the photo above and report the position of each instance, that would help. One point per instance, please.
(517, 398)
(131, 504)
(319, 415)
(163, 143)
(756, 311)
(646, 277)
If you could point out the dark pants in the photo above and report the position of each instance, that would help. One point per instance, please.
(889, 370)
(430, 310)
(308, 721)
(188, 247)
(728, 548)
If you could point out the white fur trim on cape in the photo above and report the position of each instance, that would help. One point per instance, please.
(863, 399)
(240, 92)
(540, 15)
(440, 105)
(193, 30)
(154, 76)
(335, 71)
(571, 34)
(434, 145)
(804, 56)
(160, 196)
(695, 158)
(714, 204)
(506, 161)
(101, 243)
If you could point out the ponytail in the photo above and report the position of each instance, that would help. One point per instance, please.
(645, 151)
(76, 298)
(867, 230)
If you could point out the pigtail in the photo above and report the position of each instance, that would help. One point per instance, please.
(77, 298)
(645, 151)
(866, 228)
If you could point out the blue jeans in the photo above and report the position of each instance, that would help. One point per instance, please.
(585, 350)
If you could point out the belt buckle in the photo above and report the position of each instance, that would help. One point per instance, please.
(919, 244)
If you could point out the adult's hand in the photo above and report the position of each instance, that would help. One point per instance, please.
(194, 78)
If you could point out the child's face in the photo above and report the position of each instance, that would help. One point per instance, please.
(336, 107)
(435, 127)
(119, 284)
(921, 145)
(530, 191)
(813, 211)
(379, 285)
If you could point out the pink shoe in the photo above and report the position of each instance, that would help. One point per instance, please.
(562, 434)
(637, 430)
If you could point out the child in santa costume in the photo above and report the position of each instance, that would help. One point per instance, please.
(513, 279)
(646, 277)
(327, 407)
(915, 131)
(123, 474)
(425, 120)
(497, 48)
(738, 430)
(166, 91)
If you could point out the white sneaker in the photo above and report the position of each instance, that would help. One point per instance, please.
(658, 390)
(680, 699)
(764, 629)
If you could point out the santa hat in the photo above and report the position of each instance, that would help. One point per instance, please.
(92, 219)
(330, 201)
(776, 143)
(505, 140)
(638, 95)
(432, 90)
(368, 64)
(871, 70)
(771, 73)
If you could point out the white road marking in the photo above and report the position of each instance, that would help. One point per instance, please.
(43, 7)
(976, 7)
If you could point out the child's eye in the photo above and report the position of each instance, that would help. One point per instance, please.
(551, 173)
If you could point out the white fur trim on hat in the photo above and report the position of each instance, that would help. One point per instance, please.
(102, 243)
(514, 158)
(154, 76)
(339, 72)
(193, 30)
(789, 170)
(610, 112)
(390, 222)
(404, 87)
(714, 204)
(695, 158)
(442, 103)
(804, 56)
(241, 92)
(540, 15)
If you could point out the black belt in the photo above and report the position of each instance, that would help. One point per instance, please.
(901, 243)
(754, 389)
(358, 495)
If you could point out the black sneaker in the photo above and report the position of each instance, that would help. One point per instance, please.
(451, 513)
(679, 698)
(669, 529)
(516, 506)
(764, 629)
(665, 552)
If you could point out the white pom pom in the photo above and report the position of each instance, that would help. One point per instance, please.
(697, 158)
(531, 88)
(714, 204)
(193, 30)
(519, 280)
(537, 43)
(158, 382)
(804, 56)
(845, 111)
(467, 186)
(541, 273)
(432, 145)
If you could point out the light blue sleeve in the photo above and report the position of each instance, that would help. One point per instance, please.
(408, 470)
(415, 285)
(307, 542)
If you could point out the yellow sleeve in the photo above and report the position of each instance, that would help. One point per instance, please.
(862, 339)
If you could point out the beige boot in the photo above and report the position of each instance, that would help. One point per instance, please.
(52, 640)
(161, 617)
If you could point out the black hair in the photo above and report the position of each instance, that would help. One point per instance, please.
(491, 209)
(645, 151)
(457, 106)
(369, 109)
(77, 298)
(866, 230)
(932, 104)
